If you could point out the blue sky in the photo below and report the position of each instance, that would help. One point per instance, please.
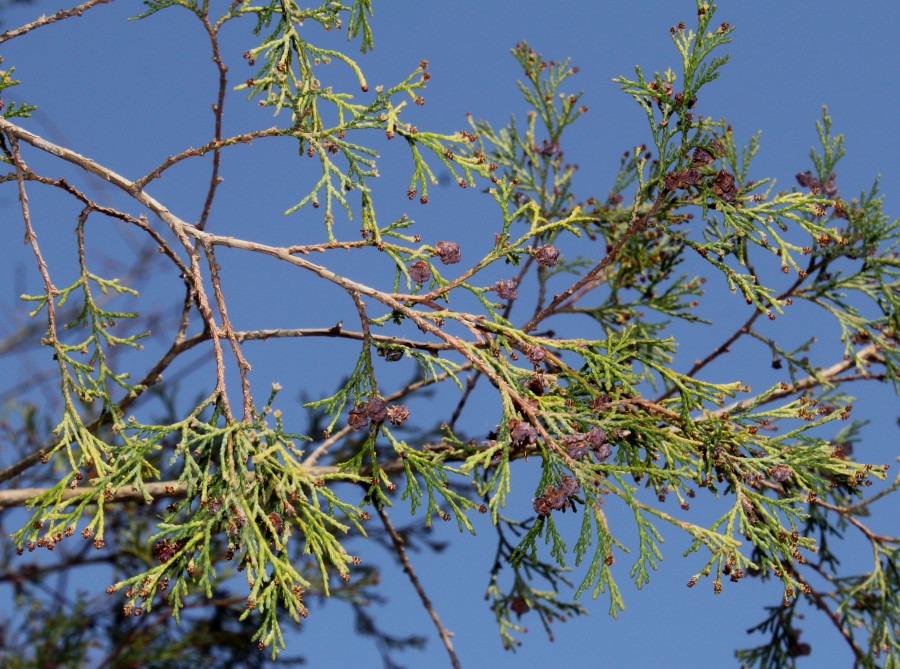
(128, 94)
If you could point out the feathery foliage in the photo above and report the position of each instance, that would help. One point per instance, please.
(232, 488)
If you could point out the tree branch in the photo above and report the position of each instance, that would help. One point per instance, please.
(400, 550)
(635, 227)
(869, 353)
(822, 605)
(45, 20)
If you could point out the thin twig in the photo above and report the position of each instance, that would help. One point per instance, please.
(50, 291)
(243, 365)
(207, 314)
(331, 440)
(141, 222)
(214, 145)
(400, 550)
(844, 512)
(822, 605)
(746, 328)
(869, 353)
(636, 226)
(470, 386)
(218, 109)
(44, 20)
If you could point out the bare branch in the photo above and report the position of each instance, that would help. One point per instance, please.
(400, 551)
(45, 20)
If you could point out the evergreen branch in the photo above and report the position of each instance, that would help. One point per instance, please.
(824, 377)
(634, 228)
(579, 407)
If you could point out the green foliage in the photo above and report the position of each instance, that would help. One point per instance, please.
(607, 421)
(11, 109)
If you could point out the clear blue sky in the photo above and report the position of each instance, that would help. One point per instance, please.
(130, 93)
